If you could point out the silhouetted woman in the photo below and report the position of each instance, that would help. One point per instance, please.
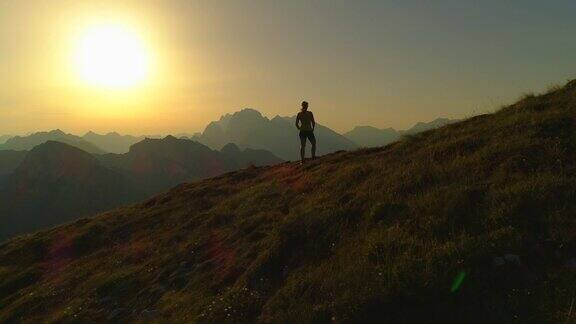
(306, 124)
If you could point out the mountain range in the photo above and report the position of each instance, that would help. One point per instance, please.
(113, 142)
(249, 129)
(55, 182)
(26, 143)
(4, 138)
(468, 223)
(158, 164)
(35, 196)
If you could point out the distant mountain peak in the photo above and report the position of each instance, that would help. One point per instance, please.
(245, 115)
(279, 118)
(54, 159)
(28, 142)
(170, 138)
(369, 136)
(113, 141)
(252, 112)
(57, 132)
(230, 148)
(52, 143)
(213, 126)
(364, 127)
(249, 111)
(152, 145)
(422, 126)
(248, 128)
(52, 146)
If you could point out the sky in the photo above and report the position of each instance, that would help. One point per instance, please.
(382, 63)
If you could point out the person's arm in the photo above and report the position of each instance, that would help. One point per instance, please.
(313, 121)
(297, 120)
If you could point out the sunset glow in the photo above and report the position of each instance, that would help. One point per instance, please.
(111, 56)
(173, 66)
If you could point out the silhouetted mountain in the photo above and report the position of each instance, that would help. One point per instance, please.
(422, 127)
(185, 135)
(53, 182)
(249, 129)
(158, 164)
(368, 136)
(4, 138)
(56, 183)
(113, 142)
(469, 223)
(10, 160)
(249, 156)
(26, 143)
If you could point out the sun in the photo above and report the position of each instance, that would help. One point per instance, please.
(111, 56)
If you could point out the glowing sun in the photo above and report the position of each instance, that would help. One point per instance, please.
(111, 56)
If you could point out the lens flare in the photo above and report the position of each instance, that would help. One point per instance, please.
(458, 281)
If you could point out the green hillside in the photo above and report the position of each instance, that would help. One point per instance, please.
(472, 222)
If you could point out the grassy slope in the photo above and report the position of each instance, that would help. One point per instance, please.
(355, 236)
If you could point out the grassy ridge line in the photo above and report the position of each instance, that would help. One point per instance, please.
(375, 234)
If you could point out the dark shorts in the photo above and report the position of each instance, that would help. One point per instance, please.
(307, 135)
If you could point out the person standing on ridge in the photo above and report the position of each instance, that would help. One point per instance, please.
(306, 124)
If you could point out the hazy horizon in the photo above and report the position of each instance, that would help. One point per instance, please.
(376, 63)
(178, 133)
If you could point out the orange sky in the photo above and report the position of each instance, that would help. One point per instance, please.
(379, 63)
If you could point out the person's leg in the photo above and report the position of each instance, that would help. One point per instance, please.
(302, 147)
(313, 142)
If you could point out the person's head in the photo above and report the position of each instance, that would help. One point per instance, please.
(304, 105)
